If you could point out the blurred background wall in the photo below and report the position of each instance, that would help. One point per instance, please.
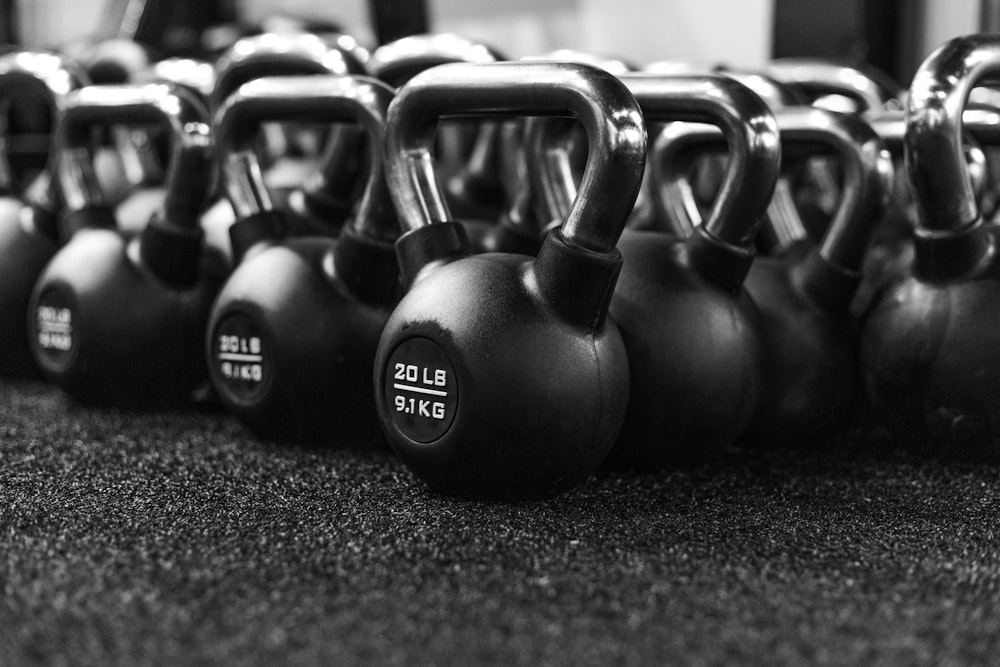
(892, 34)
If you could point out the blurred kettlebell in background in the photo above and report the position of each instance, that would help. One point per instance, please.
(292, 336)
(692, 334)
(115, 320)
(930, 356)
(29, 229)
(810, 357)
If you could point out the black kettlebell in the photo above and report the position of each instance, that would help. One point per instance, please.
(803, 295)
(692, 334)
(929, 354)
(292, 336)
(116, 320)
(500, 375)
(29, 234)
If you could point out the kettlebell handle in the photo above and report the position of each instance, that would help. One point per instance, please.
(744, 119)
(55, 76)
(322, 99)
(751, 133)
(935, 160)
(982, 125)
(400, 60)
(868, 172)
(166, 105)
(274, 55)
(608, 112)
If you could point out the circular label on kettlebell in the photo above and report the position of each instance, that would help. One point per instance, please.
(53, 332)
(421, 389)
(239, 357)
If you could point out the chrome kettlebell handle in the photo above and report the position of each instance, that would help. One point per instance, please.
(511, 88)
(169, 106)
(821, 78)
(275, 55)
(55, 76)
(400, 60)
(803, 130)
(936, 165)
(322, 99)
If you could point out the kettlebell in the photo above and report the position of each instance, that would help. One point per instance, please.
(928, 358)
(692, 334)
(29, 234)
(115, 320)
(501, 375)
(292, 335)
(803, 295)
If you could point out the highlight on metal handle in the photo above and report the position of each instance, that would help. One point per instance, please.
(608, 112)
(196, 74)
(172, 107)
(358, 100)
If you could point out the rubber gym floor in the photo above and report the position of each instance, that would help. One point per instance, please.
(180, 539)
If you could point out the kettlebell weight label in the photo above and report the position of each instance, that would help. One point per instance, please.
(53, 336)
(240, 357)
(409, 373)
(55, 328)
(420, 387)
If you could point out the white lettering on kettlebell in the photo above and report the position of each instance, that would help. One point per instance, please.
(55, 328)
(241, 358)
(424, 381)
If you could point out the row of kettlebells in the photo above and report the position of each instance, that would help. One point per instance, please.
(505, 374)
